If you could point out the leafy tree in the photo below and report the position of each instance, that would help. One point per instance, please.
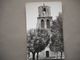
(57, 35)
(31, 37)
(37, 39)
(61, 43)
(43, 39)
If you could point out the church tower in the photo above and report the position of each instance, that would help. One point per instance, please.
(44, 21)
(44, 18)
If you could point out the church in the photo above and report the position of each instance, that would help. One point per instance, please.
(44, 21)
(44, 18)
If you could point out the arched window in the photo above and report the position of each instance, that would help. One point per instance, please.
(42, 23)
(48, 24)
(44, 9)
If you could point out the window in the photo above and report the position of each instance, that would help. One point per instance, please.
(48, 24)
(44, 9)
(42, 23)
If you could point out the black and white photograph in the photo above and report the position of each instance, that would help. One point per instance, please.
(44, 29)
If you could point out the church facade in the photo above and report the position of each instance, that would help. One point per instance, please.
(44, 21)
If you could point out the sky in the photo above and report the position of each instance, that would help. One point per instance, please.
(32, 12)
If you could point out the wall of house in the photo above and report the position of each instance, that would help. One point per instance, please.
(13, 32)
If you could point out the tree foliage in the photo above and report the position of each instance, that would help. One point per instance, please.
(57, 35)
(37, 40)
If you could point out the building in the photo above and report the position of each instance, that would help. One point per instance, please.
(44, 21)
(44, 18)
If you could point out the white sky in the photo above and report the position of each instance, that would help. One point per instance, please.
(32, 12)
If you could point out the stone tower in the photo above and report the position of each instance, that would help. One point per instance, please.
(44, 18)
(44, 21)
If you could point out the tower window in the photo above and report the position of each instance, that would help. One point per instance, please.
(48, 24)
(44, 9)
(42, 23)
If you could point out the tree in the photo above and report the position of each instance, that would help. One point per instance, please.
(57, 35)
(43, 37)
(37, 39)
(31, 37)
(60, 24)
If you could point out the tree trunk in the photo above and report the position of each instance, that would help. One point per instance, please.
(61, 55)
(37, 55)
(33, 56)
(57, 55)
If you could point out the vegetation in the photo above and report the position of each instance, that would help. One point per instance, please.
(37, 40)
(57, 36)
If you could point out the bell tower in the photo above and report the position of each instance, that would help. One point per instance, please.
(44, 11)
(44, 19)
